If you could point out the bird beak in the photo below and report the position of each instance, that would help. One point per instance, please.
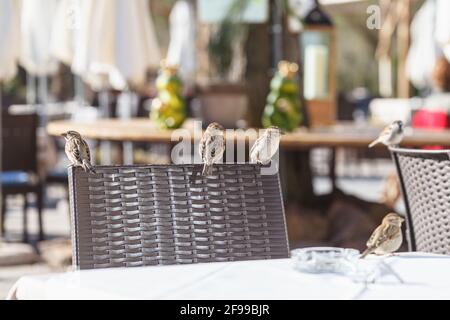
(64, 135)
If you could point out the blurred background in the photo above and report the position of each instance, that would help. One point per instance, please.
(125, 74)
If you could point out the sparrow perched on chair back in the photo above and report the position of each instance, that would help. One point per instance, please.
(212, 146)
(77, 150)
(266, 146)
(392, 135)
(387, 237)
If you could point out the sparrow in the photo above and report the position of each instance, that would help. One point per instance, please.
(391, 191)
(266, 146)
(212, 146)
(392, 135)
(77, 150)
(387, 237)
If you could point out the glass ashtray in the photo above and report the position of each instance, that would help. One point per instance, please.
(324, 259)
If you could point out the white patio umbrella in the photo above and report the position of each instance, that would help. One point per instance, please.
(116, 43)
(113, 45)
(9, 35)
(35, 56)
(181, 50)
(9, 53)
(66, 23)
(109, 43)
(36, 28)
(443, 26)
(430, 38)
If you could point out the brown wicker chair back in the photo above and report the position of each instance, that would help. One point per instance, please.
(126, 216)
(425, 182)
(19, 149)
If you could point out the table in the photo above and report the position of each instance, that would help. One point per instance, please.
(342, 134)
(425, 277)
(296, 144)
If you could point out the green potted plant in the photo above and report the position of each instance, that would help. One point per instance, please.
(283, 108)
(168, 108)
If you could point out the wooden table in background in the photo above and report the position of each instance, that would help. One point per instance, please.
(340, 135)
(296, 144)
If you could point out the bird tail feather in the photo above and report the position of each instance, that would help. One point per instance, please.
(88, 167)
(366, 252)
(373, 143)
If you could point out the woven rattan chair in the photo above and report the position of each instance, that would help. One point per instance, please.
(425, 181)
(125, 216)
(20, 166)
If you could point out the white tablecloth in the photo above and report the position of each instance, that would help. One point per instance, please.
(426, 276)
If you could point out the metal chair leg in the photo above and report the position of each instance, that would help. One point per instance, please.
(40, 202)
(25, 219)
(2, 216)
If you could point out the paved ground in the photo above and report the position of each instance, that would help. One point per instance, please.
(56, 220)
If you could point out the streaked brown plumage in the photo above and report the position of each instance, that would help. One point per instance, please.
(212, 146)
(77, 150)
(387, 237)
(266, 146)
(391, 190)
(391, 136)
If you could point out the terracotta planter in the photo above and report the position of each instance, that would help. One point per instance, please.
(223, 103)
